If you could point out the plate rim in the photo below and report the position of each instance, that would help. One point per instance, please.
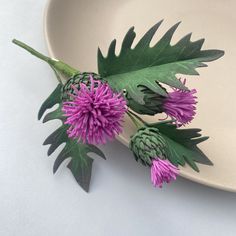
(188, 176)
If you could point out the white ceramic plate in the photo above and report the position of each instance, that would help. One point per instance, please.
(75, 28)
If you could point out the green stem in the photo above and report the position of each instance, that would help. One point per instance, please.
(138, 123)
(57, 75)
(59, 66)
(31, 50)
(137, 117)
(161, 122)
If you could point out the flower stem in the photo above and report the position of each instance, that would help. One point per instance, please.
(31, 50)
(139, 122)
(135, 119)
(161, 122)
(57, 65)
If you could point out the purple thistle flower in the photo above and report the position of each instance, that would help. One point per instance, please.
(95, 113)
(180, 105)
(162, 171)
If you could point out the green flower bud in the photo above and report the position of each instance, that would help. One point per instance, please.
(153, 102)
(76, 80)
(148, 144)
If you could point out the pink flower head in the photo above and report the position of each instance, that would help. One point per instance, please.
(180, 105)
(95, 113)
(162, 171)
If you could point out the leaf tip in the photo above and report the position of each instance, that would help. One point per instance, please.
(46, 142)
(178, 23)
(40, 114)
(99, 53)
(54, 170)
(45, 119)
(50, 151)
(131, 28)
(221, 53)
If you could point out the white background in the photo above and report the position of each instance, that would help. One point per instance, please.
(122, 201)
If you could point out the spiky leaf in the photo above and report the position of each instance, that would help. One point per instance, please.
(53, 99)
(80, 162)
(146, 67)
(182, 144)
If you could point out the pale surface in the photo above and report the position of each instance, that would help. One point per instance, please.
(73, 35)
(122, 201)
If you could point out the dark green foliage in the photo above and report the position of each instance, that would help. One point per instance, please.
(147, 67)
(53, 99)
(80, 162)
(182, 145)
(153, 103)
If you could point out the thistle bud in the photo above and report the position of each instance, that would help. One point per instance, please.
(180, 105)
(147, 144)
(75, 81)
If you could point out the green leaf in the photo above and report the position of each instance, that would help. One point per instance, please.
(58, 137)
(53, 99)
(182, 145)
(153, 102)
(191, 163)
(56, 114)
(146, 67)
(80, 163)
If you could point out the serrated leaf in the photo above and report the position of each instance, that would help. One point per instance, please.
(182, 145)
(53, 99)
(58, 137)
(80, 163)
(191, 163)
(81, 171)
(56, 114)
(146, 66)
